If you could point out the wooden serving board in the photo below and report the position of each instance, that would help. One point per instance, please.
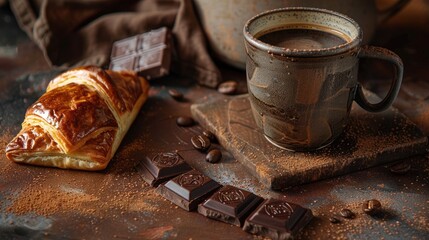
(370, 139)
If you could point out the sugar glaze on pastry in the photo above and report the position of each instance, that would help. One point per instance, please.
(81, 119)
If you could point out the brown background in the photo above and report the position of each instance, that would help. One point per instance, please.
(115, 203)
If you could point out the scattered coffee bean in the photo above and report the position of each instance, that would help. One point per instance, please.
(228, 87)
(214, 156)
(209, 135)
(200, 142)
(346, 213)
(185, 121)
(334, 220)
(371, 206)
(175, 94)
(400, 168)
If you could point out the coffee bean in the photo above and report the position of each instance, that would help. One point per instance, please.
(175, 94)
(209, 135)
(214, 156)
(185, 121)
(371, 206)
(200, 142)
(400, 168)
(334, 220)
(228, 87)
(346, 213)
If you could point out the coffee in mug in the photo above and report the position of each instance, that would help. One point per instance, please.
(302, 70)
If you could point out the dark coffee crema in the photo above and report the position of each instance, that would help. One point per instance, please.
(303, 38)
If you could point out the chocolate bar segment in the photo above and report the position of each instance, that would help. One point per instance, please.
(277, 219)
(153, 39)
(230, 204)
(188, 190)
(148, 54)
(162, 167)
(126, 63)
(140, 43)
(124, 47)
(153, 63)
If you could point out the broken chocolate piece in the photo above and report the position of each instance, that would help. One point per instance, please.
(161, 167)
(149, 54)
(277, 219)
(230, 204)
(188, 190)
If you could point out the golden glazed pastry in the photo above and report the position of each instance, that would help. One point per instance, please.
(81, 119)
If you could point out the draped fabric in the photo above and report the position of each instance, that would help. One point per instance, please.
(81, 32)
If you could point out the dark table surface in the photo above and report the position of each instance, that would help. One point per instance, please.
(38, 202)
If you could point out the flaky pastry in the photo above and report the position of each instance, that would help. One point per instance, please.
(81, 119)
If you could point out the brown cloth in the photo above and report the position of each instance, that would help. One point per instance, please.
(81, 32)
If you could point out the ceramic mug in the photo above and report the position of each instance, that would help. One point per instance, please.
(223, 20)
(302, 71)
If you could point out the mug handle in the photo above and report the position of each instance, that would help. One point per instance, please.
(391, 57)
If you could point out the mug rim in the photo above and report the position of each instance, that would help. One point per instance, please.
(272, 49)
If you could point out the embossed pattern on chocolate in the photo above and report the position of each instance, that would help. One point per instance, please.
(188, 190)
(161, 167)
(277, 219)
(167, 159)
(230, 204)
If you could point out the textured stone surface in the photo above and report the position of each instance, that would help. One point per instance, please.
(369, 140)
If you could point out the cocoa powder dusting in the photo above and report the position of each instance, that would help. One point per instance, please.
(389, 222)
(49, 191)
(98, 195)
(49, 201)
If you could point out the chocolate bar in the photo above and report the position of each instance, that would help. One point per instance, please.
(162, 167)
(188, 190)
(149, 54)
(277, 219)
(230, 204)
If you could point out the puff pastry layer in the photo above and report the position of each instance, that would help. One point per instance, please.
(81, 119)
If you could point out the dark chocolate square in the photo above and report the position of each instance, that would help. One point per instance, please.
(277, 219)
(124, 47)
(161, 167)
(149, 59)
(125, 63)
(152, 39)
(230, 204)
(188, 190)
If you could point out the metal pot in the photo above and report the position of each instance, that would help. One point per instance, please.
(223, 20)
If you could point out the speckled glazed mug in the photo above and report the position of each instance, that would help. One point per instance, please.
(302, 70)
